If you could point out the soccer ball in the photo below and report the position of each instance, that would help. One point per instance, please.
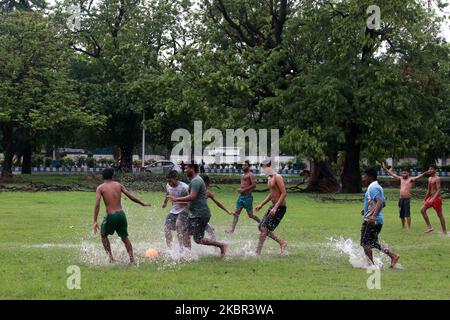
(151, 253)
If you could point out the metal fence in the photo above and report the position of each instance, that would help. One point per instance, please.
(18, 170)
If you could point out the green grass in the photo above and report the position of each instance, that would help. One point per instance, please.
(311, 270)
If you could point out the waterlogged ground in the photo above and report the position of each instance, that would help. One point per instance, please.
(43, 234)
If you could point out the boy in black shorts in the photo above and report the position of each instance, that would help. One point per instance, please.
(275, 214)
(199, 211)
(374, 201)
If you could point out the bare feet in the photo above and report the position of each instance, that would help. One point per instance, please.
(283, 246)
(429, 230)
(223, 250)
(394, 260)
(229, 231)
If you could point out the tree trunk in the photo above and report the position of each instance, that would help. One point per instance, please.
(8, 151)
(127, 133)
(27, 153)
(351, 175)
(322, 178)
(127, 157)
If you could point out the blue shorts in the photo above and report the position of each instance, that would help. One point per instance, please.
(245, 201)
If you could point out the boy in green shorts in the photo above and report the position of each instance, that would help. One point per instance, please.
(115, 219)
(245, 199)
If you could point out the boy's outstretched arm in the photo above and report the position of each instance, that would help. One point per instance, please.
(420, 176)
(218, 203)
(133, 198)
(98, 198)
(391, 173)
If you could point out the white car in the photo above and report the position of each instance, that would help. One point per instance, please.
(162, 166)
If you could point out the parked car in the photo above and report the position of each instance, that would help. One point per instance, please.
(162, 167)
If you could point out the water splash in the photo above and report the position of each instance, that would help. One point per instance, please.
(147, 231)
(355, 254)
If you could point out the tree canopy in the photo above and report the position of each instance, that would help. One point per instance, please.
(338, 89)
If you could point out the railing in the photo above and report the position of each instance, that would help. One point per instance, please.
(18, 170)
(255, 171)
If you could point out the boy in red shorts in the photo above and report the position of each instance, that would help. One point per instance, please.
(433, 199)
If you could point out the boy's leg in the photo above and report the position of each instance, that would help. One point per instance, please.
(129, 248)
(262, 238)
(423, 210)
(269, 224)
(168, 235)
(214, 243)
(187, 232)
(187, 240)
(367, 240)
(107, 247)
(442, 220)
(408, 213)
(281, 242)
(394, 257)
(402, 207)
(122, 231)
(376, 244)
(182, 228)
(368, 252)
(170, 226)
(236, 214)
(198, 226)
(210, 230)
(252, 216)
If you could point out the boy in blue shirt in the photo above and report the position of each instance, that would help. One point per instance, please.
(374, 201)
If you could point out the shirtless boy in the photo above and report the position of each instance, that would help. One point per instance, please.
(115, 219)
(273, 217)
(433, 199)
(406, 185)
(245, 200)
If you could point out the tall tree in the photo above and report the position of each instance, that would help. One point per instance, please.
(125, 49)
(36, 93)
(28, 5)
(363, 89)
(317, 71)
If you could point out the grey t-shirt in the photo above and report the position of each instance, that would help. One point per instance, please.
(181, 190)
(199, 207)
